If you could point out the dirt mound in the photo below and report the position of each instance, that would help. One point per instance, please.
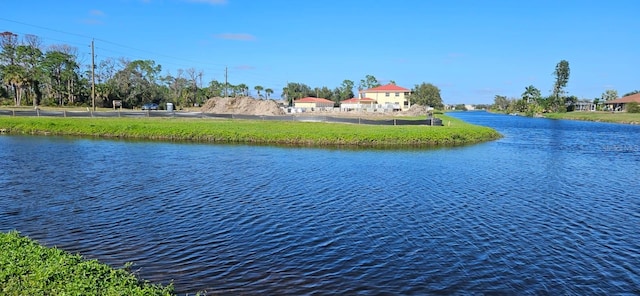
(241, 105)
(415, 110)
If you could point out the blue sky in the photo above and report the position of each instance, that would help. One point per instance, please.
(471, 50)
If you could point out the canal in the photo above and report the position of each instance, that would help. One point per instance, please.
(551, 208)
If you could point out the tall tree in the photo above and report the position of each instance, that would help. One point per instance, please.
(368, 82)
(531, 94)
(193, 75)
(70, 75)
(531, 101)
(426, 94)
(345, 91)
(215, 89)
(501, 103)
(268, 92)
(136, 83)
(104, 72)
(294, 91)
(60, 67)
(8, 42)
(323, 92)
(243, 89)
(258, 89)
(13, 76)
(610, 94)
(29, 56)
(179, 89)
(562, 78)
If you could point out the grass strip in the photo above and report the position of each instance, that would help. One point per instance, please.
(28, 268)
(455, 132)
(599, 116)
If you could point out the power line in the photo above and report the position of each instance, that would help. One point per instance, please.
(215, 69)
(44, 28)
(109, 42)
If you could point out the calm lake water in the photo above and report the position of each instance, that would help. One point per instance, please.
(552, 208)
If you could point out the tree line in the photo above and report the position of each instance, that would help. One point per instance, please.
(34, 74)
(533, 102)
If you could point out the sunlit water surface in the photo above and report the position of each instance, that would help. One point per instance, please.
(553, 207)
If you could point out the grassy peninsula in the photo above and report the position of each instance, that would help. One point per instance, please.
(455, 132)
(28, 268)
(599, 116)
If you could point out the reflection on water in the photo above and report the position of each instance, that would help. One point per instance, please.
(550, 208)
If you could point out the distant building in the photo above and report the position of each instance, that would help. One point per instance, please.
(621, 103)
(388, 96)
(311, 104)
(585, 105)
(357, 104)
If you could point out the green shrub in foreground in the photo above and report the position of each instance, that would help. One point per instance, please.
(28, 268)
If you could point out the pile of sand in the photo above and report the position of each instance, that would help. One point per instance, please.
(415, 110)
(241, 105)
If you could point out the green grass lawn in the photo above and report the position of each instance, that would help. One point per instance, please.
(28, 268)
(601, 116)
(455, 132)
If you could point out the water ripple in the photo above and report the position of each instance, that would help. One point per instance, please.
(533, 213)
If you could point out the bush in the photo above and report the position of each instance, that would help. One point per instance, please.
(633, 107)
(6, 102)
(29, 268)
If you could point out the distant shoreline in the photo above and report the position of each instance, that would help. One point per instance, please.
(598, 116)
(594, 116)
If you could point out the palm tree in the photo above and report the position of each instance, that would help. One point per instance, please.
(243, 89)
(258, 88)
(15, 77)
(531, 94)
(268, 91)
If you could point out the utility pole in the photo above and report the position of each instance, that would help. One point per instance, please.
(93, 77)
(226, 83)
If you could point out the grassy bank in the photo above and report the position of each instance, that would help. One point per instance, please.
(617, 117)
(455, 132)
(28, 268)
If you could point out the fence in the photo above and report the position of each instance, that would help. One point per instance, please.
(141, 114)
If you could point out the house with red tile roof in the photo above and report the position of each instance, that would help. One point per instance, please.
(357, 104)
(311, 103)
(621, 103)
(389, 96)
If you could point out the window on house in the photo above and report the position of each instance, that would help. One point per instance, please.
(386, 94)
(397, 94)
